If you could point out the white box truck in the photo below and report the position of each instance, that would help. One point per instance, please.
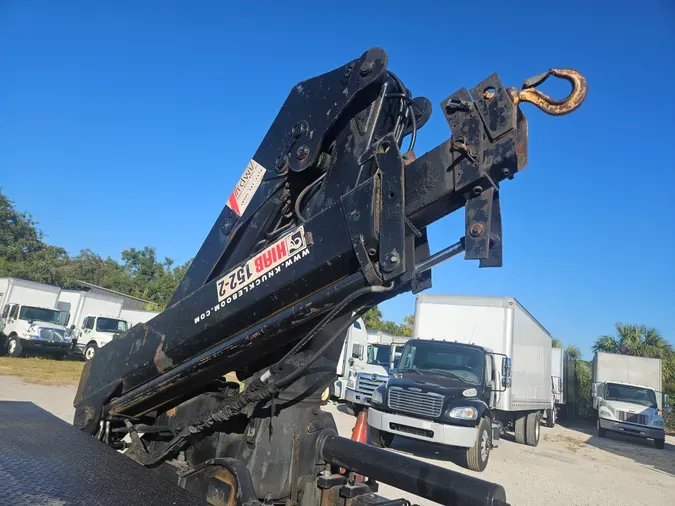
(352, 359)
(29, 321)
(628, 394)
(93, 319)
(476, 366)
(381, 359)
(563, 379)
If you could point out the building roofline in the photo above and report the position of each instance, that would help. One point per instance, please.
(91, 285)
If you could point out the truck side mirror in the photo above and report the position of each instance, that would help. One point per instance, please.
(506, 372)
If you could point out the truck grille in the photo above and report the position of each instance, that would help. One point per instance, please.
(50, 335)
(419, 403)
(631, 417)
(367, 383)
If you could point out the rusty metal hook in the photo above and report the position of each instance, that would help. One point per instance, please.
(547, 104)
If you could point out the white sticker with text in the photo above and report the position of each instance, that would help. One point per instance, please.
(248, 184)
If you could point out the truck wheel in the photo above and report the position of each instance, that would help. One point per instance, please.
(532, 428)
(380, 438)
(550, 418)
(476, 457)
(519, 428)
(660, 443)
(90, 351)
(14, 347)
(601, 432)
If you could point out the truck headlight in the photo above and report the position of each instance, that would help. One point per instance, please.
(657, 423)
(26, 335)
(378, 395)
(605, 413)
(351, 383)
(464, 413)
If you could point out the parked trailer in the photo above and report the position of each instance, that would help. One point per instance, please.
(29, 320)
(476, 366)
(563, 379)
(628, 394)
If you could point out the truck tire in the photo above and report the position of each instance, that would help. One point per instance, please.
(550, 418)
(660, 443)
(90, 351)
(380, 438)
(14, 347)
(519, 428)
(532, 428)
(476, 457)
(601, 432)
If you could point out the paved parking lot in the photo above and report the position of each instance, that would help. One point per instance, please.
(571, 465)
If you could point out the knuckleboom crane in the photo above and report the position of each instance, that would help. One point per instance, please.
(328, 220)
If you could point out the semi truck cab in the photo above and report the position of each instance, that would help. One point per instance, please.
(24, 327)
(630, 409)
(441, 392)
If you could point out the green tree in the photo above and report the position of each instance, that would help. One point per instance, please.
(374, 321)
(556, 343)
(573, 351)
(638, 340)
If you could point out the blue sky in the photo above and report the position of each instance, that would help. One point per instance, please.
(127, 124)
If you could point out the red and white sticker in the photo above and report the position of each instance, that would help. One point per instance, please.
(248, 184)
(269, 262)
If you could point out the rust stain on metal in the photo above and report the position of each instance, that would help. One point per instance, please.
(162, 362)
(223, 489)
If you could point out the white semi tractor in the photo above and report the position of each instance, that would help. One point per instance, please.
(628, 395)
(92, 319)
(30, 321)
(563, 380)
(476, 366)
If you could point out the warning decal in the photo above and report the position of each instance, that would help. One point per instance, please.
(248, 184)
(265, 264)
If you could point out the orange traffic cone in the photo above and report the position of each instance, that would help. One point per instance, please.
(360, 431)
(360, 434)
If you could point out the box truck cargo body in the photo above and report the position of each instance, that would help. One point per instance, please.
(628, 394)
(136, 316)
(476, 366)
(563, 378)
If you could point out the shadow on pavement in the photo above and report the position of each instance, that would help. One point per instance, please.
(637, 449)
(426, 450)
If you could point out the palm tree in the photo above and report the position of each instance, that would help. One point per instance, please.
(638, 340)
(556, 343)
(573, 351)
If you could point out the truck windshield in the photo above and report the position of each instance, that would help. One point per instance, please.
(633, 394)
(41, 314)
(446, 359)
(110, 325)
(378, 354)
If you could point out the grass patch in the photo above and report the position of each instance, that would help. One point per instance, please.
(43, 371)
